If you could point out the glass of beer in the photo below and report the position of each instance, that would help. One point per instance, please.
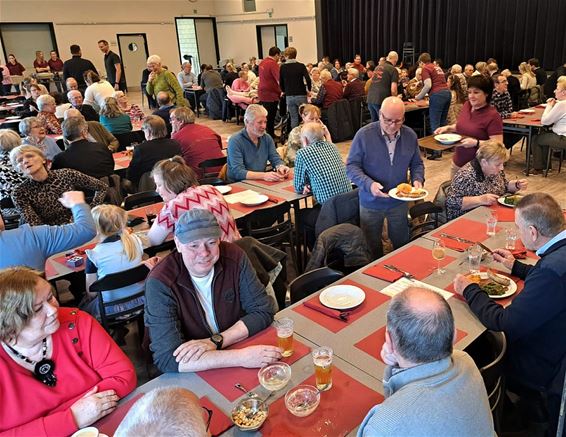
(322, 358)
(285, 335)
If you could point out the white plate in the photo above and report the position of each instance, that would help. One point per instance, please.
(527, 111)
(511, 290)
(224, 189)
(255, 200)
(501, 200)
(342, 297)
(393, 193)
(448, 139)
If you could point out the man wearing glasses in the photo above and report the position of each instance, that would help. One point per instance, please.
(502, 102)
(381, 155)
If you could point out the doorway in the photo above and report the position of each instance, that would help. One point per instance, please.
(271, 36)
(134, 53)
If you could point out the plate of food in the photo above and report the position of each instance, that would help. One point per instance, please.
(495, 285)
(510, 200)
(407, 193)
(527, 111)
(448, 139)
(224, 189)
(342, 297)
(255, 200)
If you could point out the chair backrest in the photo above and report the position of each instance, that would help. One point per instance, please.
(492, 372)
(140, 199)
(342, 208)
(340, 121)
(310, 282)
(424, 218)
(146, 182)
(355, 112)
(279, 227)
(127, 138)
(115, 281)
(440, 200)
(212, 163)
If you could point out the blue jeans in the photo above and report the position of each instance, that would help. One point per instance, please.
(374, 111)
(293, 103)
(438, 108)
(371, 222)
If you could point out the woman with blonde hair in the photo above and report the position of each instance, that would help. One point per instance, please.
(113, 118)
(134, 111)
(528, 79)
(481, 181)
(178, 186)
(117, 250)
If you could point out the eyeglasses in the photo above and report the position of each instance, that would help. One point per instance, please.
(207, 415)
(391, 121)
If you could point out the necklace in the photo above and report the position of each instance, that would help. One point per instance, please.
(44, 369)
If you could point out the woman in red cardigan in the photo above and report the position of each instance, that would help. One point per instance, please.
(59, 370)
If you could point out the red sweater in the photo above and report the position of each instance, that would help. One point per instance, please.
(30, 408)
(198, 143)
(268, 90)
(334, 92)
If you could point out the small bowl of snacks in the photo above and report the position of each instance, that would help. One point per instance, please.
(249, 414)
(302, 400)
(274, 376)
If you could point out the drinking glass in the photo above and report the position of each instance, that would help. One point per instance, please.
(491, 223)
(322, 359)
(438, 253)
(510, 239)
(285, 331)
(475, 253)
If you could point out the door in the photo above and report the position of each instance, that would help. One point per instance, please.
(134, 53)
(271, 36)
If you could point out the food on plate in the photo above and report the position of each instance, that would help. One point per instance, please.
(498, 279)
(406, 190)
(493, 284)
(512, 200)
(492, 288)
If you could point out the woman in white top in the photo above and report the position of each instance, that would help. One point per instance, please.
(98, 90)
(528, 79)
(554, 114)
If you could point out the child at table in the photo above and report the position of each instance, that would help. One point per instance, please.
(118, 250)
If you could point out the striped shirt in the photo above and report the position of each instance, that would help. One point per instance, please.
(320, 166)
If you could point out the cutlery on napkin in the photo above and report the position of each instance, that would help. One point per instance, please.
(340, 315)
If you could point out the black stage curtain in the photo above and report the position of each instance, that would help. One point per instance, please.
(457, 31)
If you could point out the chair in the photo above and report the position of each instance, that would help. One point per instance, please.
(146, 182)
(356, 106)
(424, 218)
(408, 53)
(488, 352)
(138, 200)
(212, 163)
(128, 138)
(340, 121)
(115, 281)
(274, 227)
(310, 282)
(560, 151)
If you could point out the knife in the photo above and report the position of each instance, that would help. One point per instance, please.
(458, 239)
(398, 270)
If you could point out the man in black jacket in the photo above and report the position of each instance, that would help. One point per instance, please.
(535, 322)
(92, 159)
(156, 148)
(540, 72)
(76, 100)
(295, 82)
(76, 66)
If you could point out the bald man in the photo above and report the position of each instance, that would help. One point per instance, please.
(425, 378)
(380, 156)
(96, 132)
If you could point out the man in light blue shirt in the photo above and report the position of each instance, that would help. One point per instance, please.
(251, 148)
(186, 77)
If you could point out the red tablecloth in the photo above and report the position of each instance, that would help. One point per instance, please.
(372, 301)
(108, 425)
(504, 213)
(220, 422)
(341, 409)
(223, 380)
(415, 260)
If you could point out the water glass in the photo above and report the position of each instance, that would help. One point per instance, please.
(475, 253)
(510, 239)
(285, 331)
(491, 223)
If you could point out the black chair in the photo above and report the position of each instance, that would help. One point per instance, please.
(310, 282)
(212, 163)
(340, 121)
(274, 227)
(488, 351)
(424, 218)
(141, 199)
(211, 181)
(115, 281)
(126, 139)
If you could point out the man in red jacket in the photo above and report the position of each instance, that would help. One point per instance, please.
(268, 91)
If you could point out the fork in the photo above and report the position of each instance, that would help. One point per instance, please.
(398, 270)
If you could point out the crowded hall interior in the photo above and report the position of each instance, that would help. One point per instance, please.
(282, 218)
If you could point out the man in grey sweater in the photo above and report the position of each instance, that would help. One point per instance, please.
(430, 390)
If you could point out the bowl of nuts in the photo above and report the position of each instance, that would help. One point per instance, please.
(249, 414)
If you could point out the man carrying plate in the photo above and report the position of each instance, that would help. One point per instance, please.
(380, 156)
(535, 322)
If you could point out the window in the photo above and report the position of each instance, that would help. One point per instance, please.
(249, 6)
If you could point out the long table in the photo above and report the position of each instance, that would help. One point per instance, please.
(356, 343)
(524, 124)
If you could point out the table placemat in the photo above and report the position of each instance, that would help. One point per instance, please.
(373, 343)
(464, 228)
(373, 299)
(415, 260)
(223, 380)
(50, 270)
(341, 409)
(503, 213)
(272, 200)
(291, 189)
(220, 422)
(272, 183)
(109, 424)
(63, 258)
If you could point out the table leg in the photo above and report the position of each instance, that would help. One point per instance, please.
(528, 163)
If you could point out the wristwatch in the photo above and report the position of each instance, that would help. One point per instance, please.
(217, 339)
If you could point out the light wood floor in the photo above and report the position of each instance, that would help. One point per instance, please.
(436, 172)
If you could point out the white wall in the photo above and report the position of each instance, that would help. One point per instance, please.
(84, 23)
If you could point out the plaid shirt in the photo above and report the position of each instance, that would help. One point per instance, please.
(320, 166)
(502, 103)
